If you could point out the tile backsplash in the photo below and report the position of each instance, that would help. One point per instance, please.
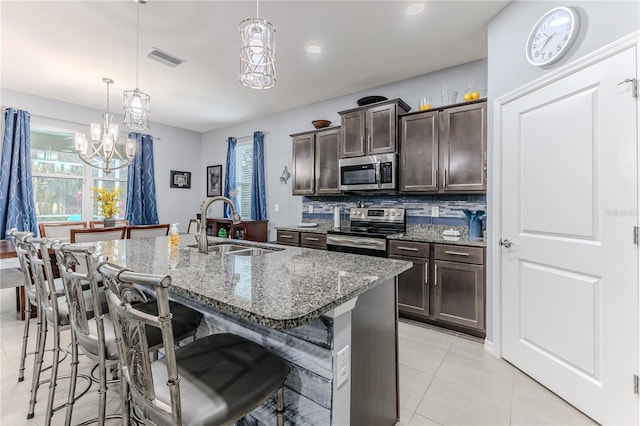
(418, 207)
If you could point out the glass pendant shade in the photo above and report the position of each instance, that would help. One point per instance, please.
(102, 153)
(136, 110)
(136, 103)
(257, 54)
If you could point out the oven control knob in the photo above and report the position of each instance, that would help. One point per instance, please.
(393, 213)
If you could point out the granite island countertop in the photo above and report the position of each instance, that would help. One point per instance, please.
(281, 289)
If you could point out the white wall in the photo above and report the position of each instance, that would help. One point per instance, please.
(602, 23)
(279, 126)
(173, 148)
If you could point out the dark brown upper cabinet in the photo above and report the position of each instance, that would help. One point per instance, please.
(444, 151)
(371, 129)
(315, 162)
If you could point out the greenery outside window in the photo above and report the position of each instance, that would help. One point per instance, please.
(62, 183)
(244, 172)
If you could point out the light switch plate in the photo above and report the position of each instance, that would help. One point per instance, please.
(435, 211)
(343, 365)
(310, 208)
(276, 208)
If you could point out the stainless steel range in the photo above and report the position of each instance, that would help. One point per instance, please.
(367, 231)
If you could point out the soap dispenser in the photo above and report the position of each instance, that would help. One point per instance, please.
(174, 235)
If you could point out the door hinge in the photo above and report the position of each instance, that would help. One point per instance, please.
(635, 384)
(635, 235)
(634, 86)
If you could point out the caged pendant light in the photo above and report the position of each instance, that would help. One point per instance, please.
(136, 103)
(257, 53)
(103, 152)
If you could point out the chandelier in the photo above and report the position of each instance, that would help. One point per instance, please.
(103, 152)
(257, 53)
(136, 103)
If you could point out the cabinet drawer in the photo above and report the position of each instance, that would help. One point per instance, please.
(291, 238)
(462, 254)
(408, 248)
(313, 240)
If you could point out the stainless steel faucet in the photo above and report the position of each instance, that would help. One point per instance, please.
(203, 244)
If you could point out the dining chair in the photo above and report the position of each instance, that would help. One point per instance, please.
(148, 231)
(98, 234)
(215, 380)
(193, 227)
(100, 223)
(94, 329)
(52, 311)
(59, 230)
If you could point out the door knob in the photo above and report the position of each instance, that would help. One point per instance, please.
(506, 243)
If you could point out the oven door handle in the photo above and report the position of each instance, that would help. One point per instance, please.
(378, 173)
(355, 241)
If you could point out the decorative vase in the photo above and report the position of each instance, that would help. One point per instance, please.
(109, 222)
(475, 228)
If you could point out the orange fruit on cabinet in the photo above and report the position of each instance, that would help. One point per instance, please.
(475, 95)
(467, 96)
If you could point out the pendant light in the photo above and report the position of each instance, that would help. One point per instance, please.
(136, 103)
(257, 53)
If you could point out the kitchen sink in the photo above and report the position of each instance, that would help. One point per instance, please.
(236, 249)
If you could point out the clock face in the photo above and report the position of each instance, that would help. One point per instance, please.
(552, 36)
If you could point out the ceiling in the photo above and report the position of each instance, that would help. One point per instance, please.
(63, 49)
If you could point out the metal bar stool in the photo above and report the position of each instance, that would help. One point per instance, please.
(52, 311)
(215, 380)
(94, 329)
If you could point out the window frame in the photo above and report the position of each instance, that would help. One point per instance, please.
(88, 180)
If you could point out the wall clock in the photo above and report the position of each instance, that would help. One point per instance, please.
(552, 36)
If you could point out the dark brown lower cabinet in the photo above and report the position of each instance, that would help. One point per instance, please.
(413, 285)
(459, 285)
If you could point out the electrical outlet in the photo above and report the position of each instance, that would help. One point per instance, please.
(310, 208)
(343, 365)
(276, 208)
(435, 211)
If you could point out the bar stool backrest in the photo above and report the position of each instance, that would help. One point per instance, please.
(129, 324)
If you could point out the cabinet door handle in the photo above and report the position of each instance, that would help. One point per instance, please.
(312, 239)
(457, 253)
(435, 275)
(286, 236)
(368, 143)
(445, 178)
(407, 248)
(426, 273)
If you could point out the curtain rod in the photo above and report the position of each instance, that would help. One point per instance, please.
(70, 122)
(251, 135)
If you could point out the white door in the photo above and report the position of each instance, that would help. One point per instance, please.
(570, 199)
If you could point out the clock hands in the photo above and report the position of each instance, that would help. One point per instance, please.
(549, 37)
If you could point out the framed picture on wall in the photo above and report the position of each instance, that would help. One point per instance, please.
(214, 181)
(180, 179)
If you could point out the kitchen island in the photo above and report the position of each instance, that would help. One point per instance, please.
(332, 316)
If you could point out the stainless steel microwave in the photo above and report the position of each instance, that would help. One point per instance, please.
(368, 172)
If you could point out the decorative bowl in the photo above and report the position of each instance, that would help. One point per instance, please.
(370, 100)
(321, 124)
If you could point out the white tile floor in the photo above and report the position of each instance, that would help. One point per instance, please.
(446, 378)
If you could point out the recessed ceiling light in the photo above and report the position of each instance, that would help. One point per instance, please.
(415, 9)
(314, 49)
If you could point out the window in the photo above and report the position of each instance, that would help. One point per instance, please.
(62, 183)
(244, 172)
